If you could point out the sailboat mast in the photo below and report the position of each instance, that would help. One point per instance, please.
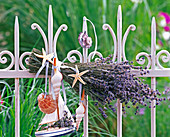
(57, 98)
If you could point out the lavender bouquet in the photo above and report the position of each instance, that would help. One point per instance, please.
(107, 81)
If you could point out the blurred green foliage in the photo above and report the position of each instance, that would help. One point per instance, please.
(71, 12)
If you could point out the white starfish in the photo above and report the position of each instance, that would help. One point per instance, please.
(77, 76)
(45, 56)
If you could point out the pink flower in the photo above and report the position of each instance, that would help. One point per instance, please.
(167, 28)
(160, 43)
(1, 100)
(165, 21)
(166, 16)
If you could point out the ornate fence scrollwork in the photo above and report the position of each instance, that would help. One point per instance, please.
(26, 60)
(141, 60)
(73, 58)
(96, 53)
(62, 27)
(105, 27)
(4, 59)
(133, 28)
(164, 58)
(36, 26)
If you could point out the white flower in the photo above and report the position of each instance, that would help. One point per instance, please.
(158, 47)
(162, 23)
(166, 35)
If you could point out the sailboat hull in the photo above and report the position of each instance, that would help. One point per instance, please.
(55, 133)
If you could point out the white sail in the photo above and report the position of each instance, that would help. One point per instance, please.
(53, 117)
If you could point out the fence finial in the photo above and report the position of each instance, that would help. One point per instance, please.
(153, 42)
(16, 43)
(50, 30)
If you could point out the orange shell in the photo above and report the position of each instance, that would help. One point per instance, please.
(47, 105)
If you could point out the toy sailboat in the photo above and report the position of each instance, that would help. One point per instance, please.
(50, 119)
(58, 120)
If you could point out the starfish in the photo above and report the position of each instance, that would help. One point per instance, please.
(45, 57)
(77, 76)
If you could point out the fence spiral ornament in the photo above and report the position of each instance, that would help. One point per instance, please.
(26, 59)
(85, 56)
(164, 58)
(36, 26)
(141, 60)
(73, 58)
(108, 27)
(133, 28)
(4, 59)
(62, 27)
(96, 53)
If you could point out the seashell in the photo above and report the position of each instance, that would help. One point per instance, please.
(84, 40)
(80, 112)
(47, 105)
(56, 81)
(79, 115)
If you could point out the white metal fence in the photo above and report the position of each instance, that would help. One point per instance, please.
(154, 66)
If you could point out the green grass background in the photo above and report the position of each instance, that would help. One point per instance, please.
(71, 12)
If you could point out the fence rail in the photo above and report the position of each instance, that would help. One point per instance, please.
(154, 66)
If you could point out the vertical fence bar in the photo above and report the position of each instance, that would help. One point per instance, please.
(85, 50)
(85, 53)
(17, 98)
(153, 109)
(50, 30)
(153, 79)
(119, 56)
(50, 38)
